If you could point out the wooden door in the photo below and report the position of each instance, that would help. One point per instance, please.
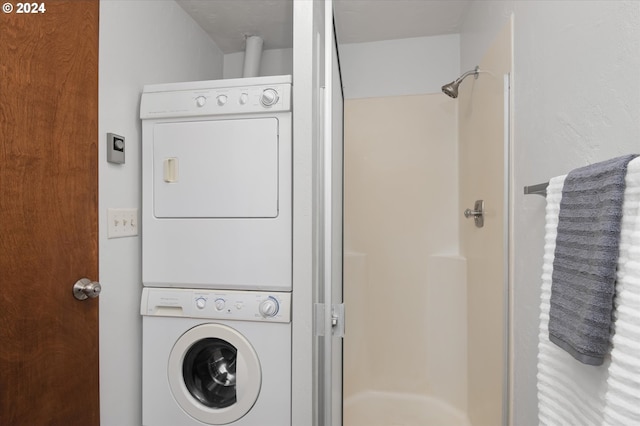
(48, 214)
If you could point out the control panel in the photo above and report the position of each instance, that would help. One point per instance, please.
(217, 100)
(217, 304)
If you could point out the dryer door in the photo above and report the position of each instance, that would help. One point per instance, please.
(214, 374)
(216, 169)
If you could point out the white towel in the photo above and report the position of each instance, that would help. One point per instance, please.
(569, 393)
(623, 393)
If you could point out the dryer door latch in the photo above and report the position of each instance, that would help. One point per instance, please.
(337, 319)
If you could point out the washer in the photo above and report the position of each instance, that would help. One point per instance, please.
(215, 358)
(216, 184)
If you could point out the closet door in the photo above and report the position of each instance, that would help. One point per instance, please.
(317, 218)
(332, 194)
(48, 212)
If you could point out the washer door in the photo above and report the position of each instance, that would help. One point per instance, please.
(214, 374)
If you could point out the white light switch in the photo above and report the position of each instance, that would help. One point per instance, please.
(122, 223)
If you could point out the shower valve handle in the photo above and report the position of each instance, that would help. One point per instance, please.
(468, 213)
(477, 213)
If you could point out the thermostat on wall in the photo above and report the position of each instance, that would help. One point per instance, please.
(115, 148)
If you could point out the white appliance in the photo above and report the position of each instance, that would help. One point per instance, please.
(216, 184)
(215, 357)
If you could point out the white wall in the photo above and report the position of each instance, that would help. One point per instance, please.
(272, 62)
(141, 42)
(576, 101)
(408, 66)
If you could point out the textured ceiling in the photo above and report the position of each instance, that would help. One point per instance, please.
(357, 21)
(229, 21)
(360, 21)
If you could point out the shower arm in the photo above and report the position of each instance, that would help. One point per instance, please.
(474, 71)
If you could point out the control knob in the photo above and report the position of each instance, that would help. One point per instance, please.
(222, 99)
(200, 101)
(219, 303)
(269, 97)
(201, 302)
(269, 307)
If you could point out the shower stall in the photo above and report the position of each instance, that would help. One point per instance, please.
(425, 288)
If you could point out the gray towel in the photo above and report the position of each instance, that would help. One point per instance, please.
(586, 256)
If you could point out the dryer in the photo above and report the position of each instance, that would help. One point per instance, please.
(215, 357)
(216, 184)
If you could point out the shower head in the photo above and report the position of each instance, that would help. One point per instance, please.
(451, 89)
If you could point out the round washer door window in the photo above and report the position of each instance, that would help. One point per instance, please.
(214, 374)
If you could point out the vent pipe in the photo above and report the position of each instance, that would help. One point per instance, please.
(252, 55)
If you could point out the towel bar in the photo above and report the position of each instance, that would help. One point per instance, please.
(539, 189)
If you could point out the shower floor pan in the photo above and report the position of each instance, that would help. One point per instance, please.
(375, 408)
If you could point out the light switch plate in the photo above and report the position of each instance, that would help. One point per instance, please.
(122, 223)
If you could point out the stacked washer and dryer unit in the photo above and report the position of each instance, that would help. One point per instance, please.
(217, 252)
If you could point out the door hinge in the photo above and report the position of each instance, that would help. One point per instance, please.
(337, 319)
